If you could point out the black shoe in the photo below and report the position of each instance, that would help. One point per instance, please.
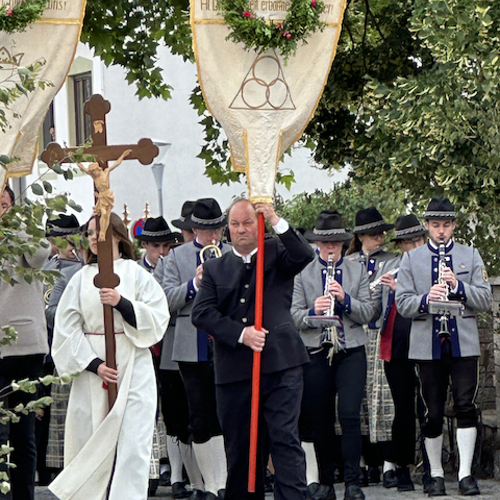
(324, 492)
(390, 479)
(468, 486)
(354, 492)
(197, 495)
(210, 496)
(436, 487)
(165, 478)
(404, 479)
(426, 481)
(222, 494)
(363, 477)
(373, 475)
(312, 489)
(179, 490)
(152, 487)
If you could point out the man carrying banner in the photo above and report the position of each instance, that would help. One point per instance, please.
(224, 308)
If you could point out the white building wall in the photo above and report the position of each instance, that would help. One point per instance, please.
(173, 121)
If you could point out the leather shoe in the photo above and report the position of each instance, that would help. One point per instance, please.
(210, 496)
(373, 475)
(363, 477)
(354, 492)
(436, 487)
(404, 479)
(390, 479)
(324, 492)
(179, 490)
(312, 488)
(222, 493)
(197, 495)
(468, 486)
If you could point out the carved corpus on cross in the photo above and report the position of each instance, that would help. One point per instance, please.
(144, 151)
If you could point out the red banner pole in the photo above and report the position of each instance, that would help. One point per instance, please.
(254, 415)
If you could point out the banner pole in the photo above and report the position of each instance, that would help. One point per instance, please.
(254, 415)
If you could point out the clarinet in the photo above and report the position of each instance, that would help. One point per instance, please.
(327, 337)
(444, 331)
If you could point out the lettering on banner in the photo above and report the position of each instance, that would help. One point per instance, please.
(256, 6)
(52, 4)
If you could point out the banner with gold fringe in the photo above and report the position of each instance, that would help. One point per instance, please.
(262, 100)
(49, 44)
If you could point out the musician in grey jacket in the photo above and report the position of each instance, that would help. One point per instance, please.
(448, 350)
(394, 344)
(180, 275)
(346, 374)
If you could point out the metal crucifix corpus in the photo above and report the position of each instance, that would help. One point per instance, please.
(144, 151)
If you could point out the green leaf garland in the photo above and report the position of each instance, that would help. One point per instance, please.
(260, 34)
(18, 18)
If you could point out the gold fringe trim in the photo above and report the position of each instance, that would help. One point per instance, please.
(51, 20)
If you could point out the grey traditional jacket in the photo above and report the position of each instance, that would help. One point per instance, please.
(418, 272)
(372, 263)
(383, 293)
(358, 308)
(175, 273)
(22, 307)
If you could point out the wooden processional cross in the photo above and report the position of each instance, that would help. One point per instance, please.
(144, 151)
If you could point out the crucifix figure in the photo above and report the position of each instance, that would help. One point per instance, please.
(105, 197)
(144, 151)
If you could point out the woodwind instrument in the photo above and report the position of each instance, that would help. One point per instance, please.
(374, 284)
(445, 307)
(329, 321)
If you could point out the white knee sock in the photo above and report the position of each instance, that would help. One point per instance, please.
(220, 462)
(466, 442)
(434, 448)
(211, 458)
(174, 456)
(389, 466)
(191, 465)
(312, 472)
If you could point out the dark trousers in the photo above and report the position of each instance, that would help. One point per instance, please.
(174, 404)
(317, 414)
(199, 383)
(280, 397)
(346, 378)
(402, 380)
(22, 433)
(435, 376)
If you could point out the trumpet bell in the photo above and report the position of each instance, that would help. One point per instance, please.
(323, 321)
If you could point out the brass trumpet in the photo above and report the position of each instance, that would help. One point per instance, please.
(213, 248)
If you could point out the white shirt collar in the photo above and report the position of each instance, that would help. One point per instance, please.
(247, 258)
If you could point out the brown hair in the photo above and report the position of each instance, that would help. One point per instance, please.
(355, 245)
(120, 232)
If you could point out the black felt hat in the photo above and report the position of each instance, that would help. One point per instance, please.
(207, 215)
(370, 221)
(328, 227)
(63, 225)
(183, 221)
(156, 229)
(407, 226)
(440, 209)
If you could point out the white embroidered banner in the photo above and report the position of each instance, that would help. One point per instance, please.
(53, 40)
(263, 103)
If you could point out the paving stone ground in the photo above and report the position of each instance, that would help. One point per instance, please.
(490, 490)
